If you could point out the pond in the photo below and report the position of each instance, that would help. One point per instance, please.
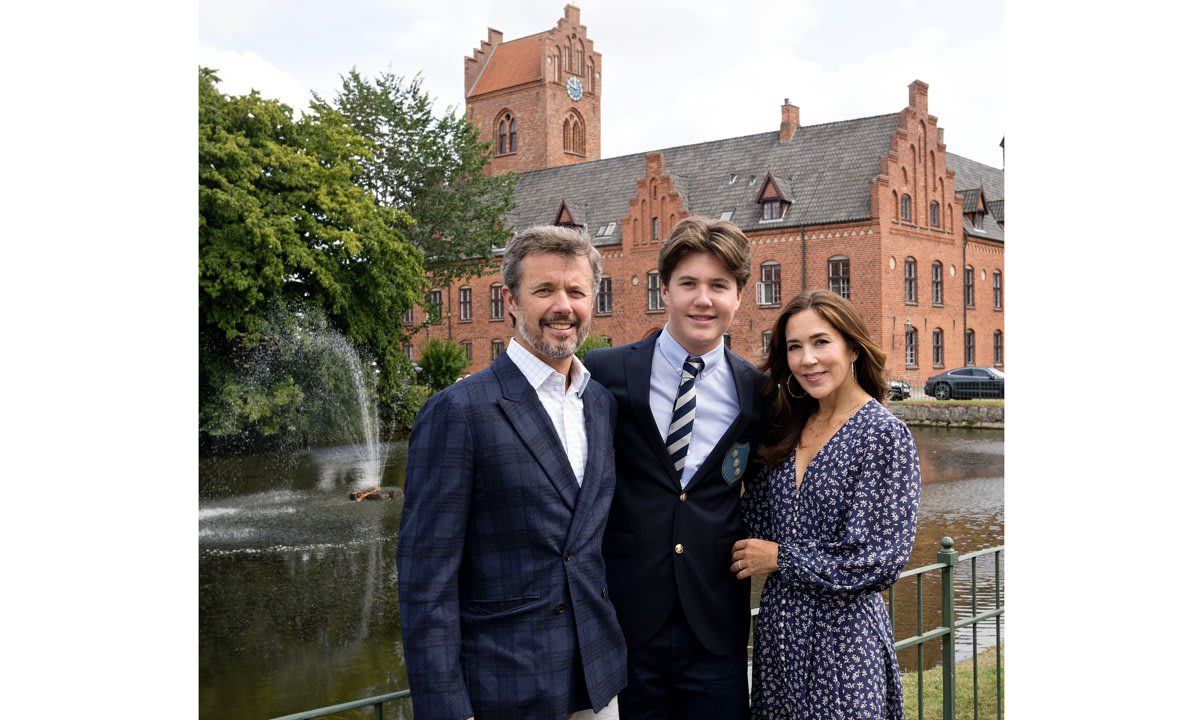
(298, 603)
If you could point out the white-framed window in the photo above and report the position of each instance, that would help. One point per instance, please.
(434, 306)
(604, 297)
(910, 280)
(772, 209)
(910, 346)
(969, 286)
(654, 299)
(939, 341)
(766, 346)
(497, 348)
(495, 302)
(937, 283)
(464, 304)
(769, 285)
(839, 275)
(997, 291)
(969, 348)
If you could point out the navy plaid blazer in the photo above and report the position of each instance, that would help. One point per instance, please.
(500, 574)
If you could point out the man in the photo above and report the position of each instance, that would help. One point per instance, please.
(690, 414)
(503, 599)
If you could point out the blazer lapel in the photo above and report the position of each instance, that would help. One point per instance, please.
(530, 421)
(599, 439)
(637, 380)
(745, 381)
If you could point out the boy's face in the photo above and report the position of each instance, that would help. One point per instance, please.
(701, 298)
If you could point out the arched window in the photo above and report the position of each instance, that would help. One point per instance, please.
(910, 280)
(573, 137)
(969, 286)
(556, 65)
(906, 208)
(506, 133)
(935, 214)
(591, 76)
(579, 58)
(937, 282)
(839, 275)
(654, 229)
(895, 206)
(997, 292)
(910, 346)
(998, 348)
(969, 348)
(495, 303)
(939, 342)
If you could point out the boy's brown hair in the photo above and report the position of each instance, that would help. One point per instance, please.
(719, 238)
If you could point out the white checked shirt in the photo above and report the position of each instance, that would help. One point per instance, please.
(564, 405)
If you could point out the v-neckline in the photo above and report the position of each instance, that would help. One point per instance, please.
(798, 480)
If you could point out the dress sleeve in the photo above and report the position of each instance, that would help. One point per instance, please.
(880, 527)
(755, 506)
(437, 494)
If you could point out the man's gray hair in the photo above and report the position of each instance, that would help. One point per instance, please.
(553, 239)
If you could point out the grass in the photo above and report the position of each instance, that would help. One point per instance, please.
(930, 402)
(962, 689)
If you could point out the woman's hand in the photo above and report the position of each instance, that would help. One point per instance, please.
(754, 557)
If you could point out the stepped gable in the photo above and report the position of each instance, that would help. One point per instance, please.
(969, 177)
(827, 169)
(513, 63)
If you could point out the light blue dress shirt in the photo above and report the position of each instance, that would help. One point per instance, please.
(716, 397)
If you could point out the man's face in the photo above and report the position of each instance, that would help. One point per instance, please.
(701, 298)
(553, 305)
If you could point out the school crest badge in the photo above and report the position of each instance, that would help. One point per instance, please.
(735, 462)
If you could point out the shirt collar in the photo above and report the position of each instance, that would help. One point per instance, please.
(538, 372)
(676, 354)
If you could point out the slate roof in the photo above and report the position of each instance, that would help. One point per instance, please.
(826, 168)
(996, 208)
(969, 176)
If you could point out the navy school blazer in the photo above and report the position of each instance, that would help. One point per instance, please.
(663, 544)
(499, 567)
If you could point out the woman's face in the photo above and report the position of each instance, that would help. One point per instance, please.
(817, 354)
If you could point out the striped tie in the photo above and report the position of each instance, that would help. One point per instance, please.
(679, 434)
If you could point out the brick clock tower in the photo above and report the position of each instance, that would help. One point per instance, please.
(537, 98)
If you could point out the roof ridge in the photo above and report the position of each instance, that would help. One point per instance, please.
(706, 142)
(977, 162)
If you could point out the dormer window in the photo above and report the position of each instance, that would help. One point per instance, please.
(774, 196)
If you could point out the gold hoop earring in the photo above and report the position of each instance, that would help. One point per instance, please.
(788, 384)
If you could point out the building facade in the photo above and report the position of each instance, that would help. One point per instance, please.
(874, 208)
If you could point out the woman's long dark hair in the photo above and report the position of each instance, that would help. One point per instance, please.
(791, 413)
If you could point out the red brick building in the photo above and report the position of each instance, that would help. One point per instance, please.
(875, 208)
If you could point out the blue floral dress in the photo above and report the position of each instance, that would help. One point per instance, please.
(823, 645)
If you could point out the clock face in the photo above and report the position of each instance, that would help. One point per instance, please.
(574, 88)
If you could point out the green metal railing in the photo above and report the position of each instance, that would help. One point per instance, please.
(947, 560)
(375, 702)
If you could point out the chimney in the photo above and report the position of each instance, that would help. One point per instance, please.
(918, 97)
(789, 121)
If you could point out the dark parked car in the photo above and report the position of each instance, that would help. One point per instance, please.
(899, 390)
(966, 383)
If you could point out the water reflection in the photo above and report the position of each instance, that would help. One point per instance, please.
(298, 601)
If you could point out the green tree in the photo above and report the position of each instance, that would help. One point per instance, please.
(591, 342)
(283, 224)
(442, 362)
(432, 170)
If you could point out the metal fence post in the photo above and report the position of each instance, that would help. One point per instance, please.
(949, 556)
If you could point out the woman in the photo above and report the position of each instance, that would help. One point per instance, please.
(830, 519)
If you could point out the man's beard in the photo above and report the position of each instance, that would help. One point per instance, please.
(549, 349)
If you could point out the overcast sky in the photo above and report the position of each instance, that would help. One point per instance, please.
(674, 72)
